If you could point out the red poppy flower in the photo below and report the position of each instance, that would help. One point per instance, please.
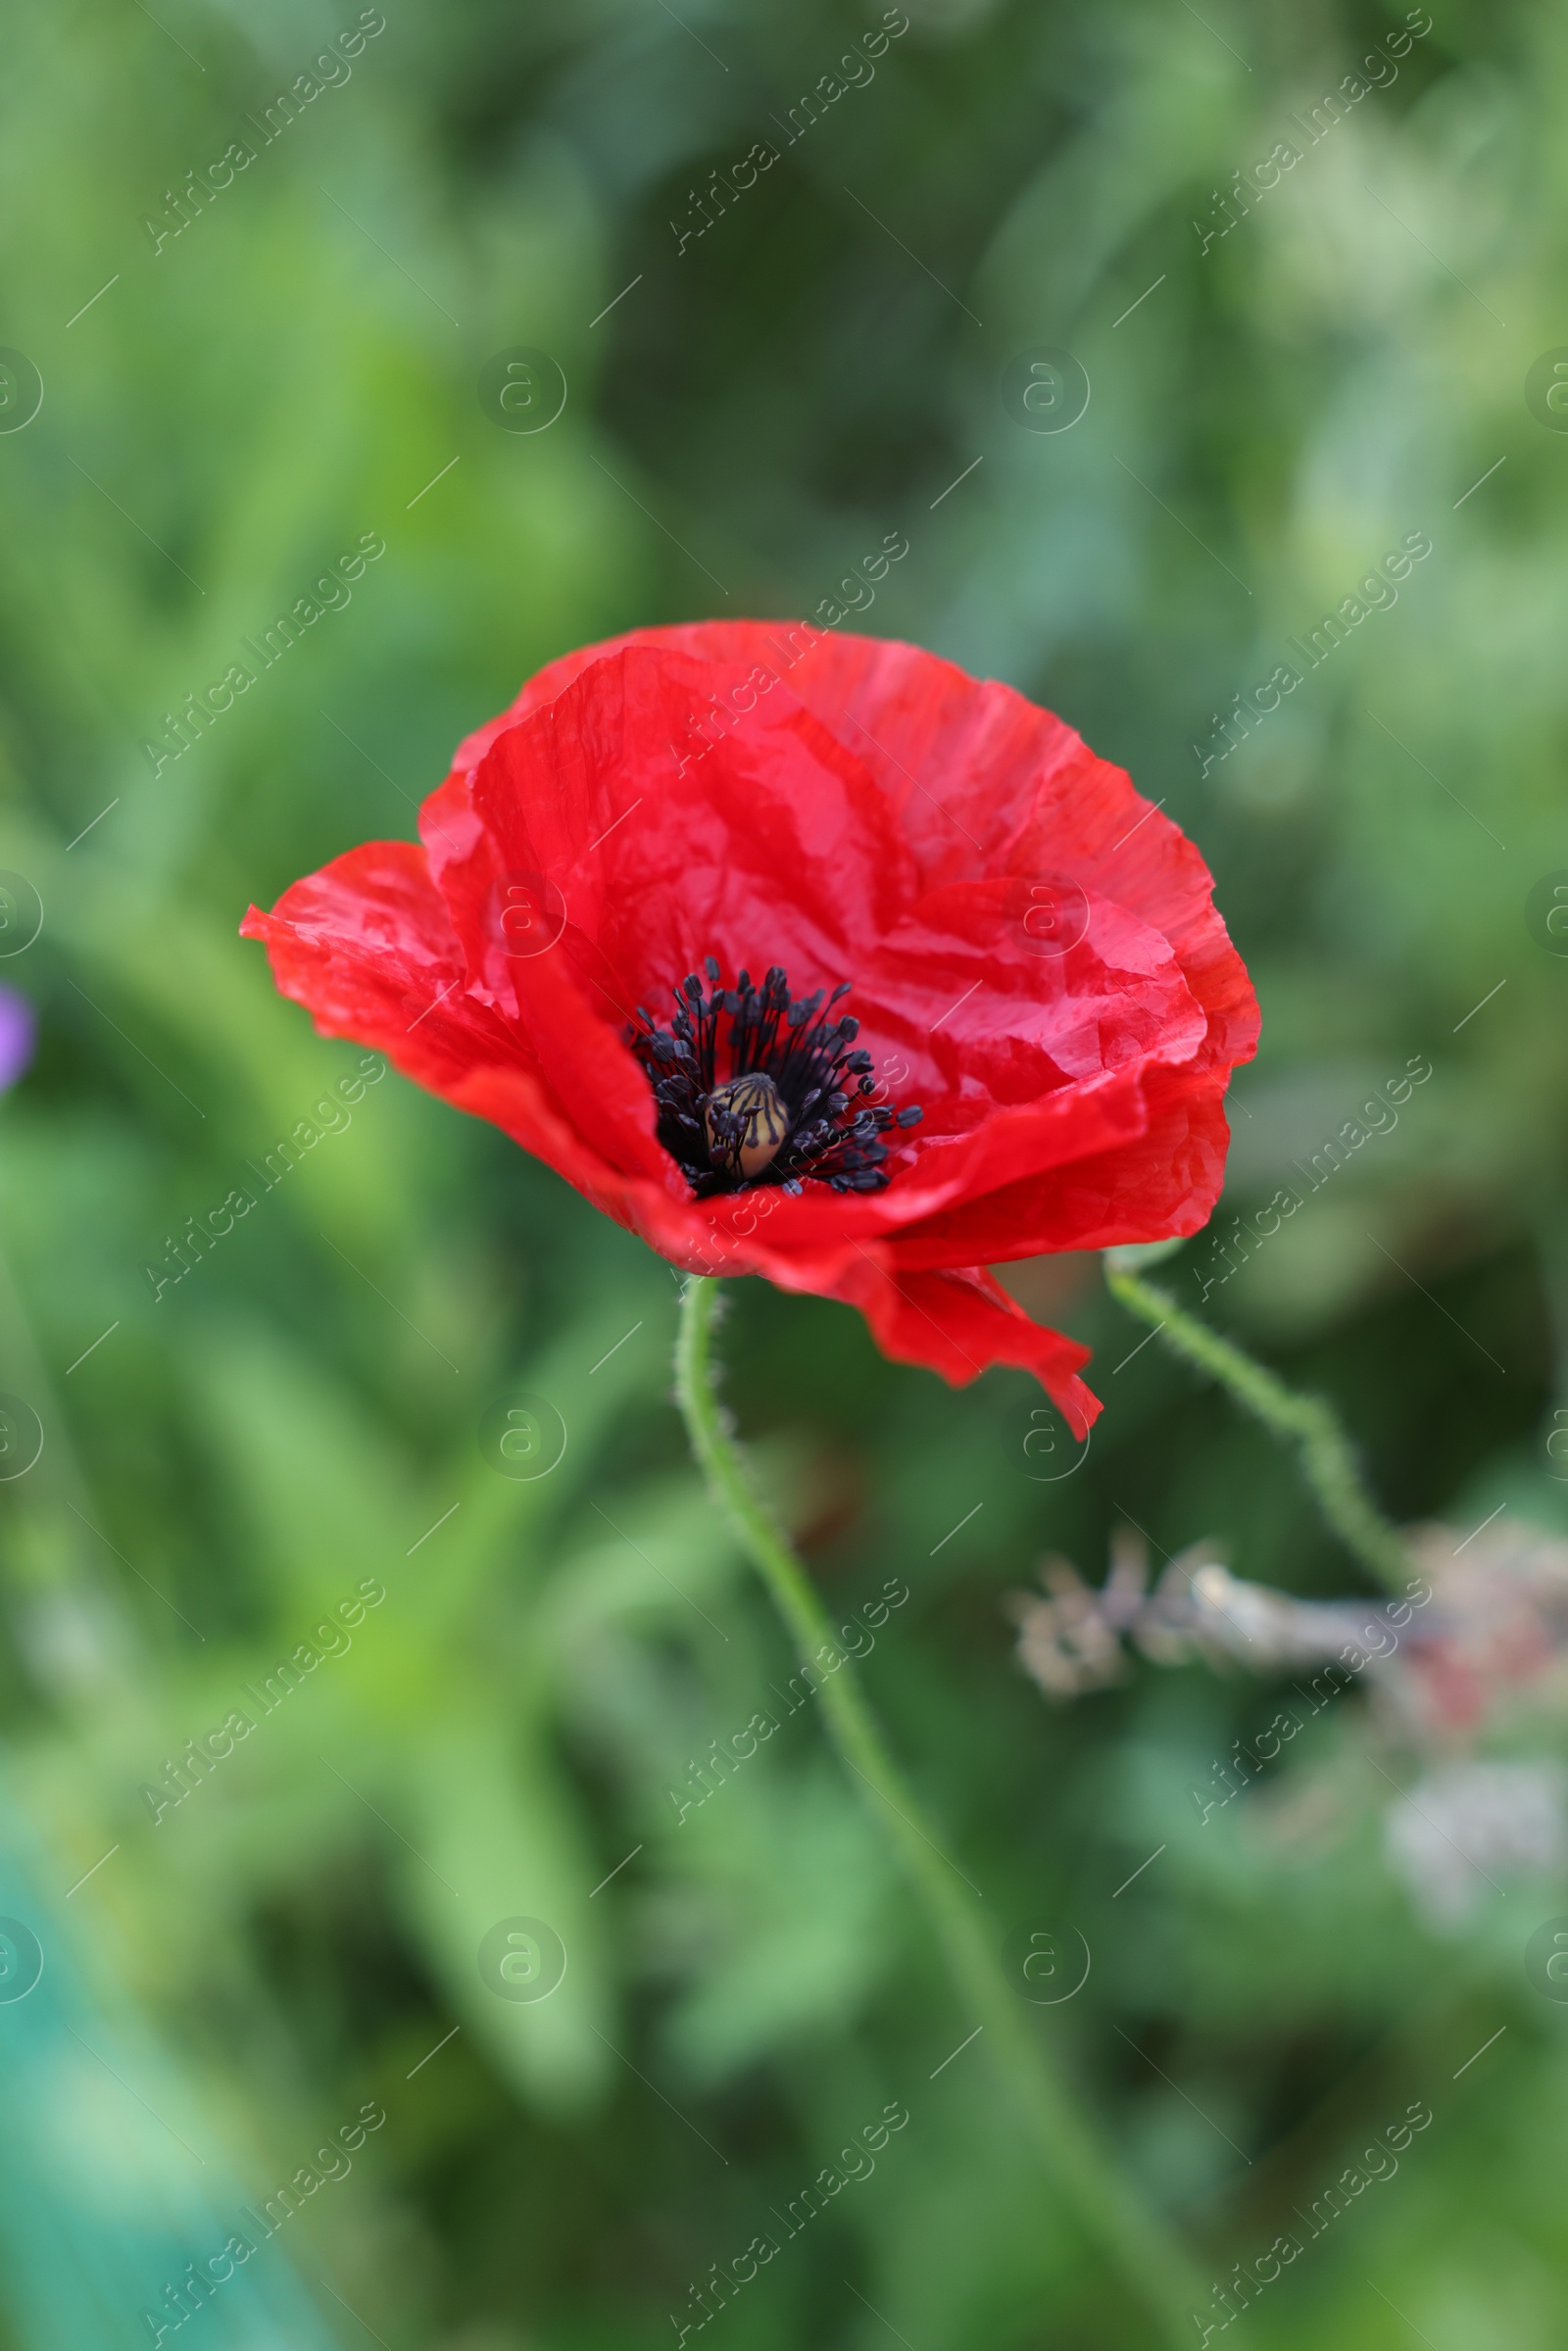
(642, 893)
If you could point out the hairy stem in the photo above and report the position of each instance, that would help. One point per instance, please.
(1308, 1422)
(1110, 2210)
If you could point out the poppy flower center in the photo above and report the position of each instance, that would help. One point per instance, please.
(781, 1097)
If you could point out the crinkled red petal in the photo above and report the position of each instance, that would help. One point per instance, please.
(853, 809)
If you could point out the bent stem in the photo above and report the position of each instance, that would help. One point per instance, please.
(1109, 2209)
(1308, 1422)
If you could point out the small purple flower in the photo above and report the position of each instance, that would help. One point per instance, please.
(19, 1034)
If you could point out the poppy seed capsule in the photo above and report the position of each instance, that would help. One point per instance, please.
(745, 1123)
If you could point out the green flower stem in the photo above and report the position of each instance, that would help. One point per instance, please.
(1111, 2211)
(1306, 1421)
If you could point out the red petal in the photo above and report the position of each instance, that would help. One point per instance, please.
(855, 809)
(981, 779)
(1161, 1182)
(772, 845)
(961, 1322)
(368, 947)
(1066, 1040)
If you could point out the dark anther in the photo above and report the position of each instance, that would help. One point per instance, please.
(771, 1104)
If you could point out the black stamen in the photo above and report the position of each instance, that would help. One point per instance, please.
(783, 1062)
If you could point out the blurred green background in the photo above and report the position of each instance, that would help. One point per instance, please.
(227, 409)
